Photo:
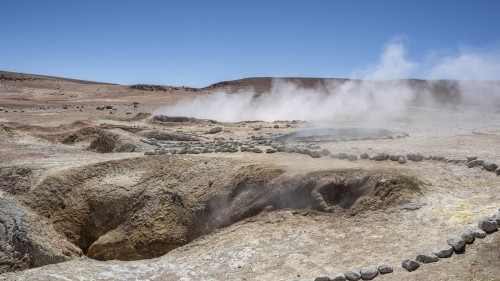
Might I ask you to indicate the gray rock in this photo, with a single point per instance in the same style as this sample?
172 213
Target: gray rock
475 163
338 277
315 153
415 157
427 258
381 157
280 148
342 155
322 278
402 160
353 274
352 157
394 157
497 171
479 233
488 224
456 242
468 236
256 150
471 158
410 265
364 156
270 150
489 166
215 130
368 273
385 268
257 128
444 251
325 151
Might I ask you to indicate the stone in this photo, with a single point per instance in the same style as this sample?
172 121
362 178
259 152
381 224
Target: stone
468 236
276 126
489 166
475 163
256 150
479 233
257 128
444 251
270 150
353 274
368 273
497 171
394 157
315 153
427 258
338 277
322 278
488 224
385 268
364 156
415 157
456 242
410 265
402 160
280 148
342 155
381 157
325 151
215 130
471 158
352 157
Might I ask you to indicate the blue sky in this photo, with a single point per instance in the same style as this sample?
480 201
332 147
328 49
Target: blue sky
197 43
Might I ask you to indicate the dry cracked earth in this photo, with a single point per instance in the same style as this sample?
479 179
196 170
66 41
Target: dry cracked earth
95 186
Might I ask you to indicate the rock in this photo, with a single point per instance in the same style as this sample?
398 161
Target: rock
475 163
444 251
385 268
315 153
325 151
456 242
256 150
497 171
338 277
394 157
410 265
369 272
322 278
402 160
364 156
415 157
257 128
468 236
488 224
489 166
342 155
280 148
471 158
427 258
270 150
215 130
276 126
352 274
381 157
479 233
109 107
352 157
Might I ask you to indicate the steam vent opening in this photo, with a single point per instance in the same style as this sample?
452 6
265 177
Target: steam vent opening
340 134
151 218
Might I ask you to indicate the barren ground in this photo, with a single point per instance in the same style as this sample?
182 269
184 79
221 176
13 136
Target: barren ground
83 202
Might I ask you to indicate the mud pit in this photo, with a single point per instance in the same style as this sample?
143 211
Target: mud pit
79 199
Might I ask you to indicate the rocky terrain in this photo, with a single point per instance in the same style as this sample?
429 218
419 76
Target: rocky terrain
95 185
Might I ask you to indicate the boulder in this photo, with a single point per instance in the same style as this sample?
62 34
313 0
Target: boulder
315 153
489 166
352 157
394 157
325 151
488 224
322 278
415 157
474 163
364 156
381 157
368 273
402 160
342 155
444 251
456 242
215 130
427 258
270 150
468 236
471 158
479 233
256 150
410 265
385 268
338 277
353 274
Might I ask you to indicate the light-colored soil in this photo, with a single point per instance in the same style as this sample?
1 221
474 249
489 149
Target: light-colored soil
120 193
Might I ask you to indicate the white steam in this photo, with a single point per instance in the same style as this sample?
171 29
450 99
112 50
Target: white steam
373 98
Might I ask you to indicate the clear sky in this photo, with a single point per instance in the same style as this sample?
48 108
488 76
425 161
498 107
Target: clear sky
197 43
